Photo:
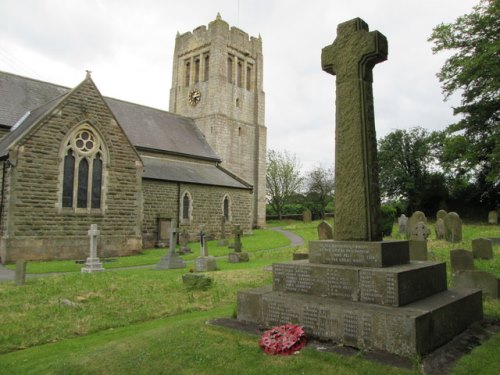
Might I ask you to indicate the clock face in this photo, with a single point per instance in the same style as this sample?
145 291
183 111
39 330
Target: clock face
194 97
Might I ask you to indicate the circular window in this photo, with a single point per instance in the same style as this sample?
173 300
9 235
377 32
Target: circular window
85 141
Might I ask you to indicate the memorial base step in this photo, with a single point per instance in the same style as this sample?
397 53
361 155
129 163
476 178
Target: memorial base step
415 329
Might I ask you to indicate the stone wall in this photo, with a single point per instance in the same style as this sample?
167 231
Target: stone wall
36 226
162 199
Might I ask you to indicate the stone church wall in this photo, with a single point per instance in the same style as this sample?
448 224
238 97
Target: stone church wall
162 199
36 226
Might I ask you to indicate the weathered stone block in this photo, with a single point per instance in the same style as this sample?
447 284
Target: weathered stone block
359 253
418 250
415 329
238 257
205 264
482 248
487 282
170 261
325 231
461 260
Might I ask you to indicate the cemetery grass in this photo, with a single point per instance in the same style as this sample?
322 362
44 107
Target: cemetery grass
259 240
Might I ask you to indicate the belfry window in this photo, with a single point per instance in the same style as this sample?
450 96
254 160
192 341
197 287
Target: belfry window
207 67
82 179
239 74
187 74
230 70
196 70
249 77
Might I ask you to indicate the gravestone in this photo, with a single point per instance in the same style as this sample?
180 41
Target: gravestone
487 282
205 262
238 255
222 241
461 260
20 274
163 227
307 216
482 248
419 232
493 217
440 229
171 259
453 227
93 264
325 231
183 242
415 218
402 224
356 289
418 241
440 214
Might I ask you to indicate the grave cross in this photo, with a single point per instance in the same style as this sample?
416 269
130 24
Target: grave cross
237 238
93 232
351 59
173 236
203 244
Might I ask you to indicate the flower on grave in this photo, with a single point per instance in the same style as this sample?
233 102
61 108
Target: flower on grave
283 340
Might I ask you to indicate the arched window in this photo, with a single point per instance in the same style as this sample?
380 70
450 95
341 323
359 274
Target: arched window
82 172
187 74
226 208
239 74
196 70
249 77
186 207
230 69
207 67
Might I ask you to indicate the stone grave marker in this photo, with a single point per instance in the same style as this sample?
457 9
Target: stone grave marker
184 241
418 241
356 288
325 231
222 240
487 282
440 229
307 216
416 217
20 274
461 260
163 227
205 262
171 259
493 217
402 224
453 227
238 255
93 264
482 248
440 214
419 231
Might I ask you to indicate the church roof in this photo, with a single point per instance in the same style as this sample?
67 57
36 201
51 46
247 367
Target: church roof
188 172
147 128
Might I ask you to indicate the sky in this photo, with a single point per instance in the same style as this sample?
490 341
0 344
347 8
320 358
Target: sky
128 46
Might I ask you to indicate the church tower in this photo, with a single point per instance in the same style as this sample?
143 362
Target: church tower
217 80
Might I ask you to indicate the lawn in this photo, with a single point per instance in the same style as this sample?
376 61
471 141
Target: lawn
145 321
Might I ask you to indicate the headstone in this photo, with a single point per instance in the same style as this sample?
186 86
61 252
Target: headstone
20 274
418 250
205 262
307 216
238 255
482 248
440 214
325 231
163 232
461 260
93 263
419 232
487 282
171 260
415 218
402 224
356 289
453 227
222 241
440 229
183 242
493 217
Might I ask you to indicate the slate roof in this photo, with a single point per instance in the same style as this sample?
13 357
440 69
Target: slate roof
146 127
188 172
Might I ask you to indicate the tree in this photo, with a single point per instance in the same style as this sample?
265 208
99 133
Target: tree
283 179
409 169
472 148
320 184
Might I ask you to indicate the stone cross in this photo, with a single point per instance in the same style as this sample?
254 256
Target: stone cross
173 236
237 238
93 264
223 227
203 243
351 59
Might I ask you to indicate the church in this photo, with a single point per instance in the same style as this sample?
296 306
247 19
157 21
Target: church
72 158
